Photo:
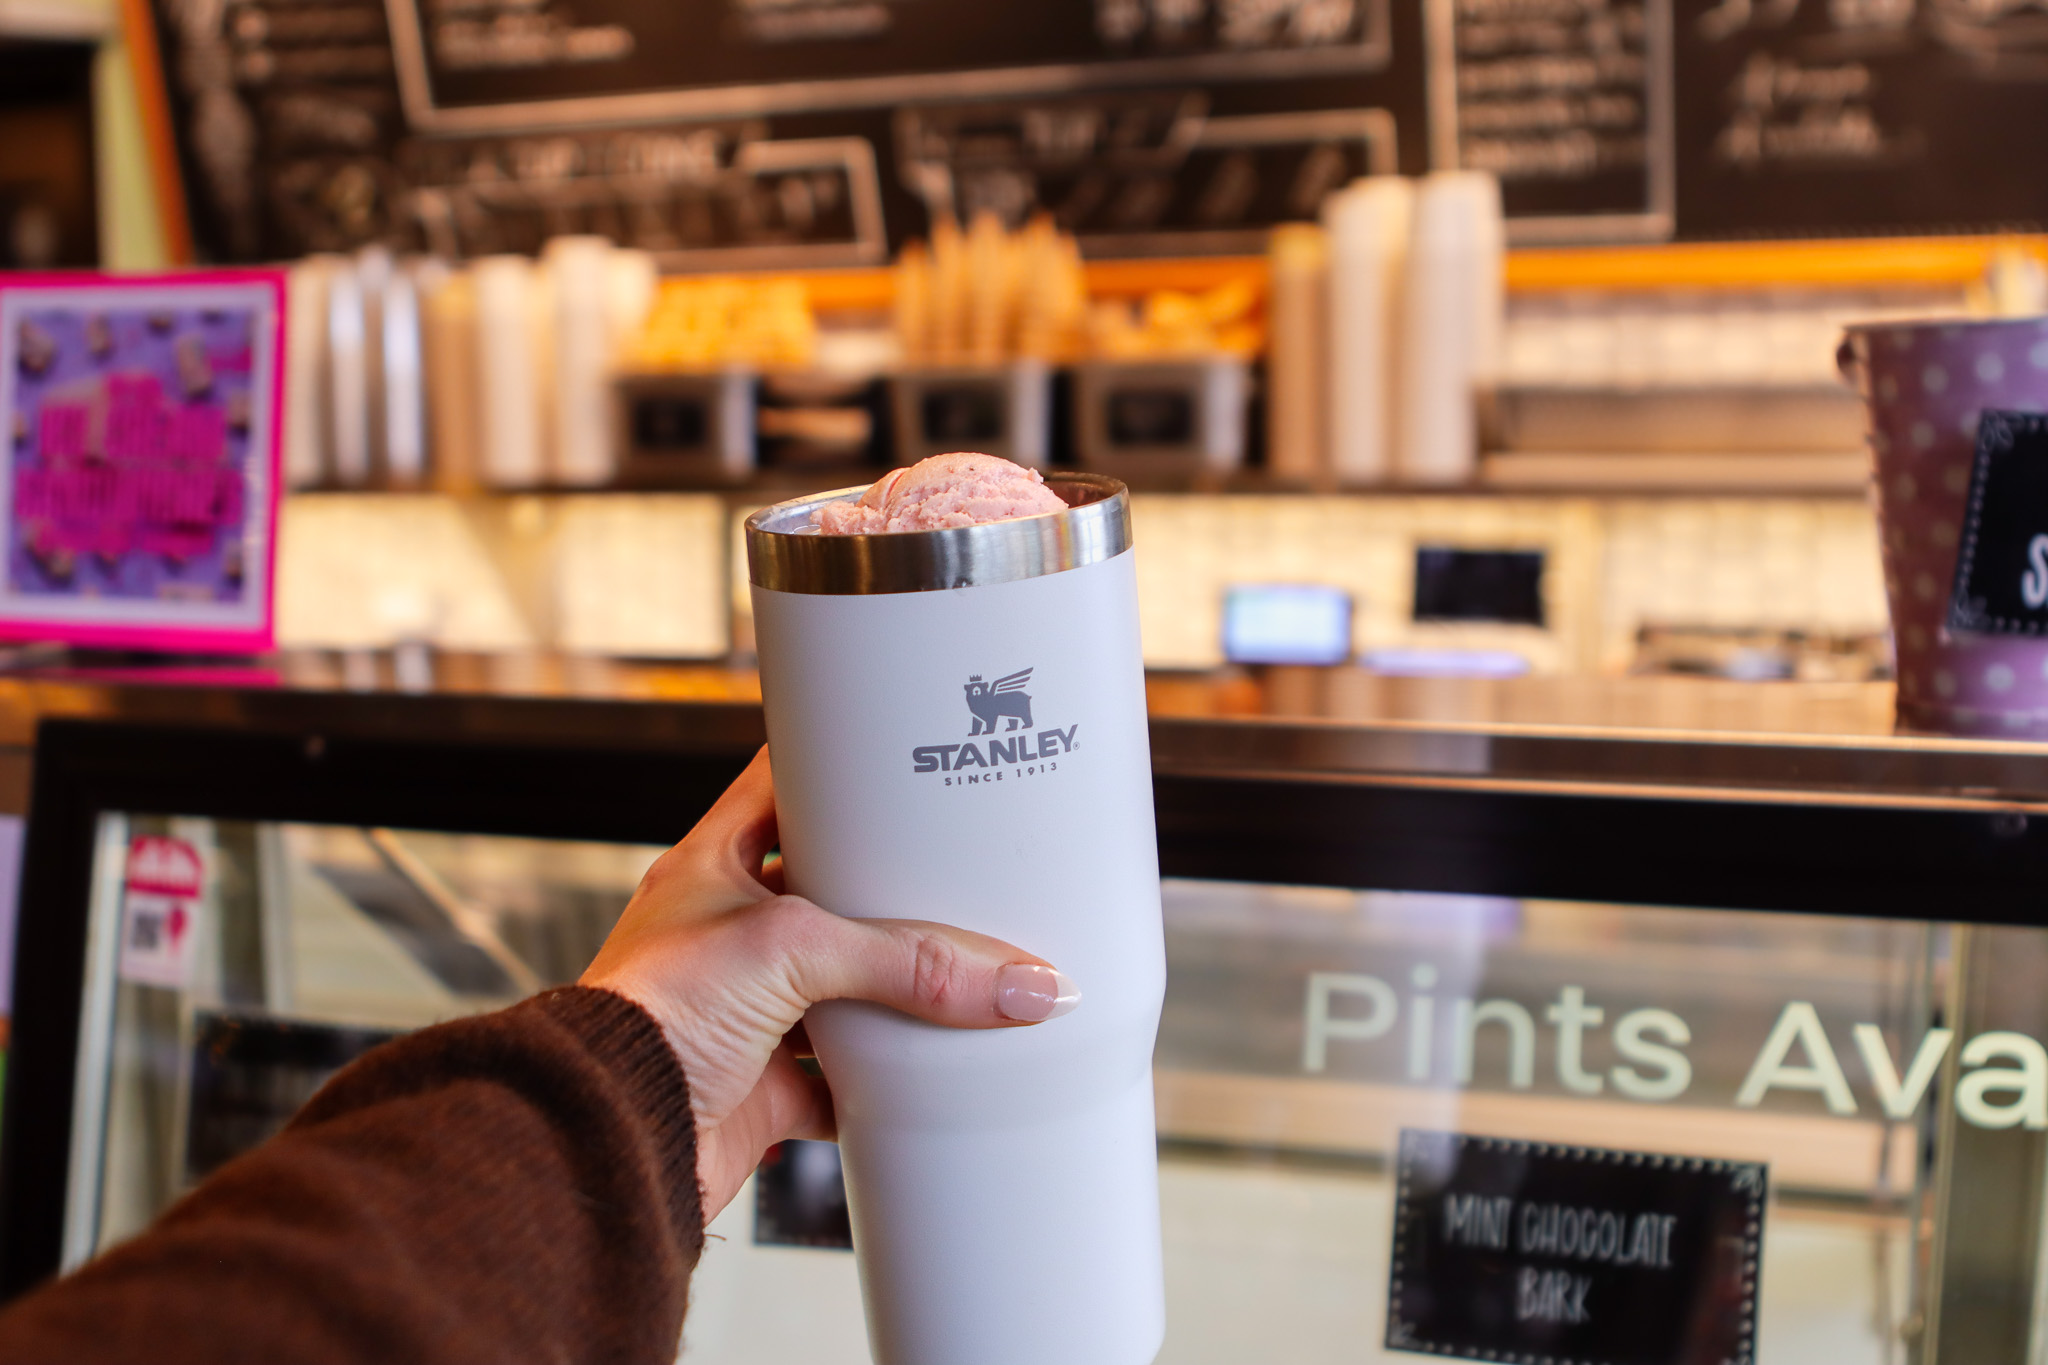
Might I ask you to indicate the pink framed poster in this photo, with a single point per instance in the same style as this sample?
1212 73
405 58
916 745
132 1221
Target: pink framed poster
142 418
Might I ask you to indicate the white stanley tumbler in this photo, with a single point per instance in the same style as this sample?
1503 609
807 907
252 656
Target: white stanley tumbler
957 724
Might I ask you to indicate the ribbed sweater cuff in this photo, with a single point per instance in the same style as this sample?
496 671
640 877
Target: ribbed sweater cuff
624 1039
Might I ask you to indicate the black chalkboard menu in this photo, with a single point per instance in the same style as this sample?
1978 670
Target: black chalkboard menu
743 133
1861 116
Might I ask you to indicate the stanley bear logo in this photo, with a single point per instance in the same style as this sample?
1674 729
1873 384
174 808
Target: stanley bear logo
1009 751
1005 698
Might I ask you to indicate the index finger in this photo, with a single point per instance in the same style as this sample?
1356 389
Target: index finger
735 835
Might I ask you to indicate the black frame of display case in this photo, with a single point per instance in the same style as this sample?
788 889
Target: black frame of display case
1721 851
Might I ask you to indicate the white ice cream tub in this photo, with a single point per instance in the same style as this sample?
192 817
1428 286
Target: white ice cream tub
957 725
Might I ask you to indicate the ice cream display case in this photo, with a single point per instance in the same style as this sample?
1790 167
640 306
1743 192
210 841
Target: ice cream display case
1563 1024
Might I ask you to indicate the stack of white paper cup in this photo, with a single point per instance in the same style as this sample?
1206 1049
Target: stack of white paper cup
957 724
449 343
1368 225
404 377
349 359
514 441
579 271
1451 324
1296 351
632 280
305 385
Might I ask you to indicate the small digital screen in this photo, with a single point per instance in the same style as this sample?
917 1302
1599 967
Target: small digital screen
1479 585
670 422
963 416
1150 417
1287 623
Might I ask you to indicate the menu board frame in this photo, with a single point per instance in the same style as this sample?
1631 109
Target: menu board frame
81 611
427 114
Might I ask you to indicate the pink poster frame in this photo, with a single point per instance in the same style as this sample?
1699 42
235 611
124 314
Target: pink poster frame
171 636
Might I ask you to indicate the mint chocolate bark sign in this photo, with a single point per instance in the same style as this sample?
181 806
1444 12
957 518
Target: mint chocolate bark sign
2001 582
1545 1254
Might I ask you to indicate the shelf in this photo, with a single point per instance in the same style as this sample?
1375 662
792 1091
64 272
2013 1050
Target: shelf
872 289
1931 262
1838 473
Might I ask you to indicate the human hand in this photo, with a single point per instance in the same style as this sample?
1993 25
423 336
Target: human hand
727 964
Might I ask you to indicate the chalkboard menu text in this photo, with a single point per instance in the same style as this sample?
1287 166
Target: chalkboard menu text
1572 110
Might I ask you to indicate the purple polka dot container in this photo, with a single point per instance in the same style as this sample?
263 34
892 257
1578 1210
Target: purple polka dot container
1924 385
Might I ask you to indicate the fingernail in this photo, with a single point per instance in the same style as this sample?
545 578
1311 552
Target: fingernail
1031 994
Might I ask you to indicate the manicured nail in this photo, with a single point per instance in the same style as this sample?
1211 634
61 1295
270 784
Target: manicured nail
1032 994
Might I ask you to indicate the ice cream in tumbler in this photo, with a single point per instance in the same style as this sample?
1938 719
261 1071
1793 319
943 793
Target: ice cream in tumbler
956 715
943 492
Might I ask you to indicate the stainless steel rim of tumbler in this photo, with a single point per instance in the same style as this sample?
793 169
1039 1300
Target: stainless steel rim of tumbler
786 554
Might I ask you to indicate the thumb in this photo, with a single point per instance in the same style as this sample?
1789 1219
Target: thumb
935 972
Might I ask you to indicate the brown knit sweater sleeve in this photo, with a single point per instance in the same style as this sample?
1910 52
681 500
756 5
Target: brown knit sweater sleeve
516 1187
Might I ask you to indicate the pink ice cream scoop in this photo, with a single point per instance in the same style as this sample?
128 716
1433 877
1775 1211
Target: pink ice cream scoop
962 489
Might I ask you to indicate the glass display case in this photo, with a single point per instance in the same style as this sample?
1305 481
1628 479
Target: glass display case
1814 968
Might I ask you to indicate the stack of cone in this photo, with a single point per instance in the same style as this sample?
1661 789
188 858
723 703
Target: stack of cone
711 322
1168 323
988 296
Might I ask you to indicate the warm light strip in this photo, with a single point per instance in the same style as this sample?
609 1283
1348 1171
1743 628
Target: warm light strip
1837 264
1894 261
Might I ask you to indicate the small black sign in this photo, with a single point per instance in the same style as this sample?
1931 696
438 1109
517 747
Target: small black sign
1541 1254
966 413
1478 585
800 1197
2001 583
250 1074
1152 415
670 422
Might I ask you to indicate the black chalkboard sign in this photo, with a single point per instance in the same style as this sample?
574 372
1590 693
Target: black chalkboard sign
2001 582
1528 1251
